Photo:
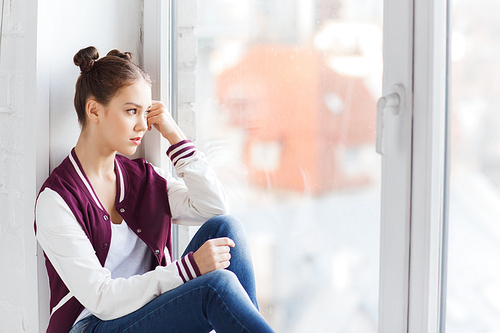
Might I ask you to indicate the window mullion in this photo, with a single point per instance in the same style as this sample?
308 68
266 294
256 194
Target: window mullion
158 62
428 165
396 170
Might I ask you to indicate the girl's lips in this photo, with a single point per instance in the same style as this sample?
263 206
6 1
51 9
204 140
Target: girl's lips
136 141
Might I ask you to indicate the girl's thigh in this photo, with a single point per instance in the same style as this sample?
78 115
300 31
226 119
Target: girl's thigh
178 310
213 301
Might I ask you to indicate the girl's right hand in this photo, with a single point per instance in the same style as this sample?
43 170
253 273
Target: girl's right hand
213 254
159 117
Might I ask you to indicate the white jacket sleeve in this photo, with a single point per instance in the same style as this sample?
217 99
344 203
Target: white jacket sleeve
73 257
197 195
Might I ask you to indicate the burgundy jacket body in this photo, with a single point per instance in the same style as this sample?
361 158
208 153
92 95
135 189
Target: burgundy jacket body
144 206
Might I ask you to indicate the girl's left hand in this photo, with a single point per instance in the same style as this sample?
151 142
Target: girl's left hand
159 117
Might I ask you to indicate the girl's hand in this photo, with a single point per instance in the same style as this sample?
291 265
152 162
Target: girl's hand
214 254
159 117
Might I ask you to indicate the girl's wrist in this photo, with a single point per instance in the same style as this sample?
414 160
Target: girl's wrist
175 137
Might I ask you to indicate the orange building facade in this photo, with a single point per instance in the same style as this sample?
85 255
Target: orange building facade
301 118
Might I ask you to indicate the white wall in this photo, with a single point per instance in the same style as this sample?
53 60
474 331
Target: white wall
38 124
64 28
18 270
37 79
187 56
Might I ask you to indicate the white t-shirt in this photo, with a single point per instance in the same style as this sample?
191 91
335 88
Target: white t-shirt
128 256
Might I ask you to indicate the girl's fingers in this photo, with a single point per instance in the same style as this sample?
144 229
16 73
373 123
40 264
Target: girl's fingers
159 116
158 108
157 120
153 119
225 257
157 105
223 249
214 254
223 241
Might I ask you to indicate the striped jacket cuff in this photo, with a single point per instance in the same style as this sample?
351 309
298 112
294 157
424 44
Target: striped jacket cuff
187 268
181 150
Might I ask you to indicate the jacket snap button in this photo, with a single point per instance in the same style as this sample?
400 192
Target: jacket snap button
122 210
157 251
139 231
104 246
105 217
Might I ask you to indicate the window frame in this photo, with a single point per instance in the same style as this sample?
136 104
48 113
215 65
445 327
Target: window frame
413 242
157 61
414 169
396 170
429 175
160 49
418 237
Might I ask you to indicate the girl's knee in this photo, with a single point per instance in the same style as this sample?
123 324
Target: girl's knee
223 275
227 223
222 279
224 284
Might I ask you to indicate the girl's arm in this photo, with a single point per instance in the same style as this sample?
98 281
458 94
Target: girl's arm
72 255
197 195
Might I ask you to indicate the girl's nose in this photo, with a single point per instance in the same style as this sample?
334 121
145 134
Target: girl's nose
142 124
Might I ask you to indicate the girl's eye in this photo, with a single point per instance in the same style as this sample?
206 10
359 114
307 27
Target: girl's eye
146 113
132 111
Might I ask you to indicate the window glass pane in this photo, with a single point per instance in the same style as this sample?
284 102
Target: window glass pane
286 112
473 297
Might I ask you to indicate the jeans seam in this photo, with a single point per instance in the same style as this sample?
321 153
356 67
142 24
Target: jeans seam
227 308
159 307
189 291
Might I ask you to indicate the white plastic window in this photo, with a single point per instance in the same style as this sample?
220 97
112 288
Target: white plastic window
285 111
279 86
473 301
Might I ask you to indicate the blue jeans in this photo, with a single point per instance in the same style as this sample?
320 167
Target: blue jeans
224 300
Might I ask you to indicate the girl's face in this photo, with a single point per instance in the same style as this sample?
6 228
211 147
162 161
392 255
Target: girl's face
124 120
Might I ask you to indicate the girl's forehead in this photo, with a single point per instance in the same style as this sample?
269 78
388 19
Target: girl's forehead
138 93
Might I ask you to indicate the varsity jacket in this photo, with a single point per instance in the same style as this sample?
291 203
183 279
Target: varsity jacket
74 231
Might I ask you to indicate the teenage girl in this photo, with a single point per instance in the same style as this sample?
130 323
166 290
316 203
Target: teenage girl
104 221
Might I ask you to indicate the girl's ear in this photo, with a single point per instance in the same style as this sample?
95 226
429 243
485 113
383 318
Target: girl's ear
93 110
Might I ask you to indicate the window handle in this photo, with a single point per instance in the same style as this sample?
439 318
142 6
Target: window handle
393 102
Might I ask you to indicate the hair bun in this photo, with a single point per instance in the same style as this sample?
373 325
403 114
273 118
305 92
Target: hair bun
85 58
123 55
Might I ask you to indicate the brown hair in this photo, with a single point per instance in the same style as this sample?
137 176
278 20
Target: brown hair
102 78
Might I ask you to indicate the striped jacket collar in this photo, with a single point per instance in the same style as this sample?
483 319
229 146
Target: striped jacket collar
120 184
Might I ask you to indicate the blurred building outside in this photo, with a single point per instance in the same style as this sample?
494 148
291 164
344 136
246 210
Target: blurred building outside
302 120
286 95
473 283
